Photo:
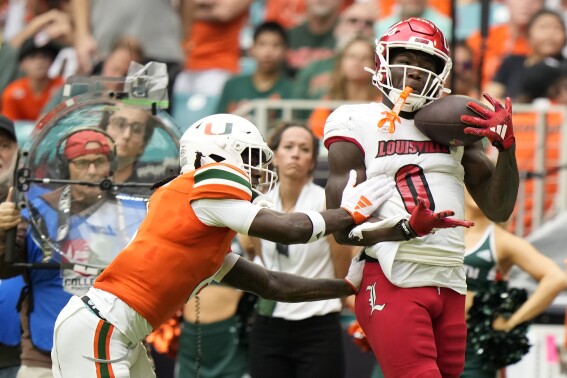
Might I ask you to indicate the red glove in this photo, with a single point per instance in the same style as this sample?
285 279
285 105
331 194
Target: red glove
423 220
358 336
495 125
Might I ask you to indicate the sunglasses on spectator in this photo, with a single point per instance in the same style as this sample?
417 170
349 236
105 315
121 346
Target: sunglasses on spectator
83 164
354 20
119 123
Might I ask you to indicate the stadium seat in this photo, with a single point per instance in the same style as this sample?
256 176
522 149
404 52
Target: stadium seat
188 108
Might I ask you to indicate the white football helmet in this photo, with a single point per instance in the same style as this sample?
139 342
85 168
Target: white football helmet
232 140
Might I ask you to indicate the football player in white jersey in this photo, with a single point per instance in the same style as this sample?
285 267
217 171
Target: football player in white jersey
412 298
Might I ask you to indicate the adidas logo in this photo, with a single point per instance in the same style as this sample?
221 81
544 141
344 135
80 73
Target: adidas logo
362 203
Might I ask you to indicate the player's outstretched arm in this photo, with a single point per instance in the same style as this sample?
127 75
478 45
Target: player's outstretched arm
494 188
344 157
285 287
358 202
422 221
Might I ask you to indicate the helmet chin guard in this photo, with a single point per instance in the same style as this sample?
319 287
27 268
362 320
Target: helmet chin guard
418 35
232 140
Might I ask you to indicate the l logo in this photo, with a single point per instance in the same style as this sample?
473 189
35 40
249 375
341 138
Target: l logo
372 299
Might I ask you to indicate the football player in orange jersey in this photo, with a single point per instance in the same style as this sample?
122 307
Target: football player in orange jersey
182 245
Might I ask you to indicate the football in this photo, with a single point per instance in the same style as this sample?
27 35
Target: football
440 120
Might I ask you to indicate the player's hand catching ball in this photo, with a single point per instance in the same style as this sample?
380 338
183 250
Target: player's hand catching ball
495 125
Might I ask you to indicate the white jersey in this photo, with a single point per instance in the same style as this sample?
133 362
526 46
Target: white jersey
422 168
311 260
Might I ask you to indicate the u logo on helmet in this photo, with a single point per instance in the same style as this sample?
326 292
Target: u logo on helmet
227 129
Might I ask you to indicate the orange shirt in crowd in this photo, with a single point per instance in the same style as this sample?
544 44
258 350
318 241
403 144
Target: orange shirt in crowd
499 43
20 103
290 13
386 7
316 121
215 45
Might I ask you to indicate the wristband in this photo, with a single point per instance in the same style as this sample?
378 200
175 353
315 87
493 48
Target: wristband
318 225
407 232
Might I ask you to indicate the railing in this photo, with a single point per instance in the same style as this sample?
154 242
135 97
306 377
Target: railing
532 206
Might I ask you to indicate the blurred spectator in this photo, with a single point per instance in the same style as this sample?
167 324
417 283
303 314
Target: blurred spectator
463 78
269 79
53 25
313 81
85 156
115 65
10 289
504 39
557 92
299 339
124 51
348 81
526 77
290 13
131 128
212 45
388 7
414 8
100 23
468 15
24 98
313 39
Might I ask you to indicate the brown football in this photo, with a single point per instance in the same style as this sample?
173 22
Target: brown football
440 120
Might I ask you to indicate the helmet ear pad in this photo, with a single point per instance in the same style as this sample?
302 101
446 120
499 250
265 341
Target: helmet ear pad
62 162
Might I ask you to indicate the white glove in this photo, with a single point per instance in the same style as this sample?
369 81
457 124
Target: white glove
363 199
355 270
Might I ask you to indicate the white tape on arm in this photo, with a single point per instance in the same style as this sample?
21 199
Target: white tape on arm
371 226
229 260
318 225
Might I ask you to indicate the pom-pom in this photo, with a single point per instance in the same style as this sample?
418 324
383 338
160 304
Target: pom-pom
497 348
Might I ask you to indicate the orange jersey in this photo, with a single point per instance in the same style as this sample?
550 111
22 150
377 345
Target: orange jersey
173 252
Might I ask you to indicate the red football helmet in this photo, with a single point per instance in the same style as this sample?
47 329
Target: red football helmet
414 34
